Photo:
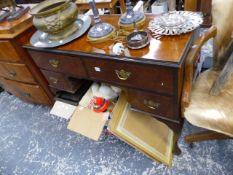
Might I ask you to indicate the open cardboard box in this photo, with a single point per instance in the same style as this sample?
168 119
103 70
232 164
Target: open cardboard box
141 131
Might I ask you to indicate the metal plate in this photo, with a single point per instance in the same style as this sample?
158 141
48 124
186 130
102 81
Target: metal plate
40 39
175 22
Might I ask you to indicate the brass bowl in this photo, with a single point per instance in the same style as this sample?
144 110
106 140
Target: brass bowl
55 17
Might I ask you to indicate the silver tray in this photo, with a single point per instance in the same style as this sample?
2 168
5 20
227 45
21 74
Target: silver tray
175 22
40 39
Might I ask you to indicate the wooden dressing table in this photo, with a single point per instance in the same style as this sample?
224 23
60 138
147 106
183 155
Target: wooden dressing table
152 77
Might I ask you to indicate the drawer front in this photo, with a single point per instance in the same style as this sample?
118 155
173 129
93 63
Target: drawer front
26 92
62 82
152 103
8 52
17 72
143 76
59 63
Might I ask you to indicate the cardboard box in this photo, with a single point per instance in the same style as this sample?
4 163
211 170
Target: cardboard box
141 131
159 7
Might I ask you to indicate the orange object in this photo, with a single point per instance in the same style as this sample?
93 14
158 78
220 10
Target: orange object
100 104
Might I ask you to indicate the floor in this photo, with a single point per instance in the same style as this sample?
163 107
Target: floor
33 142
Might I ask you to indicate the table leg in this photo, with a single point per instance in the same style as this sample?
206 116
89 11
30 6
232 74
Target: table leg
122 5
177 128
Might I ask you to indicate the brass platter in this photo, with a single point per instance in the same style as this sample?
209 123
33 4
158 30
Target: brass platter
41 39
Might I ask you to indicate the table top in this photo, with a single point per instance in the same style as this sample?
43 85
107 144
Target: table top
171 49
14 28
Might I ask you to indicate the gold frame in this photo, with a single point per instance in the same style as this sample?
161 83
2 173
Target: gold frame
116 126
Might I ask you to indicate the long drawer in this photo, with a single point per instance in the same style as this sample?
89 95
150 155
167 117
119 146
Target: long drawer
62 81
8 52
142 76
18 72
59 63
152 103
26 92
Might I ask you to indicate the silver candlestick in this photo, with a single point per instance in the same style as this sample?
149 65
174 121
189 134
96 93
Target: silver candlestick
101 31
130 16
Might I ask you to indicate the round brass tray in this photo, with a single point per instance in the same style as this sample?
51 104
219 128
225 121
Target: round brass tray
41 39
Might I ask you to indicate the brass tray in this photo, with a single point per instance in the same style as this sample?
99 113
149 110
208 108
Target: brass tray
40 39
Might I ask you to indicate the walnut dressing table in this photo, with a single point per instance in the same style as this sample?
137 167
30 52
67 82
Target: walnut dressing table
152 77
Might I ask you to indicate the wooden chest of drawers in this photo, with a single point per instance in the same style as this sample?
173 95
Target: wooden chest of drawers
18 73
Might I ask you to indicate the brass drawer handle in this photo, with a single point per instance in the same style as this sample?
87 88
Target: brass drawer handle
25 94
12 73
151 104
54 63
122 74
54 80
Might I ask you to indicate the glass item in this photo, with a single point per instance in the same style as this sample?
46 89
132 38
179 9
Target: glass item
175 23
130 16
101 31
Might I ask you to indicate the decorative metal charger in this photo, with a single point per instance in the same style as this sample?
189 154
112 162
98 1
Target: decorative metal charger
40 39
175 22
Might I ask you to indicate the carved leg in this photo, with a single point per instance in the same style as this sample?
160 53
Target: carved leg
206 135
177 132
176 149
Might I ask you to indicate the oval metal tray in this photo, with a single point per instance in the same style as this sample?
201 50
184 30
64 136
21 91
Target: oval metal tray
40 39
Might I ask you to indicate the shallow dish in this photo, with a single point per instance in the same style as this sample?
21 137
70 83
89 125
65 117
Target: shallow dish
175 22
41 39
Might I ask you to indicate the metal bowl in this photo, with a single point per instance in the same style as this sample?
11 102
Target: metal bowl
55 17
137 40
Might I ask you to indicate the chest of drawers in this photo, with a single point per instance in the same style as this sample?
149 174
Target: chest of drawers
18 73
151 77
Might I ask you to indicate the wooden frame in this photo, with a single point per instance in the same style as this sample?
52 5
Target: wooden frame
190 65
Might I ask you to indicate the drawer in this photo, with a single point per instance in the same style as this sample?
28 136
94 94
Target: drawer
144 76
17 72
152 103
62 82
59 63
8 52
26 92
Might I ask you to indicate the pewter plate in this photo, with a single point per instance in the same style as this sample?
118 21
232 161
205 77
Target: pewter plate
175 22
40 39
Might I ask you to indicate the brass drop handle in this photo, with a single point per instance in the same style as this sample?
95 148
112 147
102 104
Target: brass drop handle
122 74
151 104
54 63
54 80
26 94
12 73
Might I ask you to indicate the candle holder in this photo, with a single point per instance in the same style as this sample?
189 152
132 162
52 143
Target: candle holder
101 31
127 20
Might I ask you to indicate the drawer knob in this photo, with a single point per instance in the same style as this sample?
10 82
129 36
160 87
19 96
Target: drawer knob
122 74
12 73
151 104
54 63
54 80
